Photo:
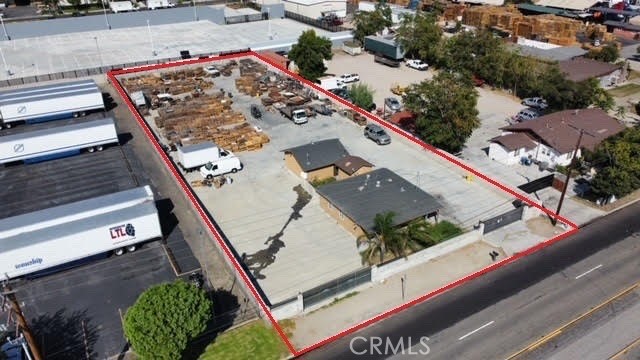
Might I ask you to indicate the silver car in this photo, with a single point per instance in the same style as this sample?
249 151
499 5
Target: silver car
377 134
392 104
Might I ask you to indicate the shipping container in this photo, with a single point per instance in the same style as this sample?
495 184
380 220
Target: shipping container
57 142
59 243
385 46
49 102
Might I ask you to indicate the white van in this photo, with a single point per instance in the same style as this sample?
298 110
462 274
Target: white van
331 82
230 164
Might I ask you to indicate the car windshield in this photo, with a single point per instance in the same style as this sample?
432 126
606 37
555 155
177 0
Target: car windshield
380 132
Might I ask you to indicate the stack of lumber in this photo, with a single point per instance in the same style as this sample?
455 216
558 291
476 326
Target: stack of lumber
250 66
501 17
453 11
555 29
228 67
249 85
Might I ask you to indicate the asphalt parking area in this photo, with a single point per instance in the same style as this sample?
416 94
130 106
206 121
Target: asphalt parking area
79 311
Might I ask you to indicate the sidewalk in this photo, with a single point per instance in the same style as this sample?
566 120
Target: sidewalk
320 324
520 235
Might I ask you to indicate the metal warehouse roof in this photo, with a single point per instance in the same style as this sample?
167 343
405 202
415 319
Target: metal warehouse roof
80 225
56 129
16 96
69 212
362 197
568 4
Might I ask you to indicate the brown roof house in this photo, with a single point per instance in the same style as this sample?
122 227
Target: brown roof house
581 69
552 138
315 160
354 202
349 166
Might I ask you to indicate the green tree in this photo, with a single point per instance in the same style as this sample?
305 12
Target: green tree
387 237
608 53
420 36
371 22
165 318
77 5
445 109
616 160
362 95
309 55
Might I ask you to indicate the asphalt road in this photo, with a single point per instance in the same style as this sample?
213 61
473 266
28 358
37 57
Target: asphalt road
497 314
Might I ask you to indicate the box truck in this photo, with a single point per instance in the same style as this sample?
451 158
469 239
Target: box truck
121 6
159 4
192 157
49 102
60 141
60 243
296 114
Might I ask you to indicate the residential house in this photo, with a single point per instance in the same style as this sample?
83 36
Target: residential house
553 138
315 160
354 202
349 166
581 69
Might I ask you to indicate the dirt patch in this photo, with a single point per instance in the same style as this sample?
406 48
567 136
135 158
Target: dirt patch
542 226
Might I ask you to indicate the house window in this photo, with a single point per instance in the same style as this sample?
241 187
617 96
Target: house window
341 216
335 171
330 205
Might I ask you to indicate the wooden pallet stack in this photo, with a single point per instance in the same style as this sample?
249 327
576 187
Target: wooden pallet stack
248 85
502 17
554 29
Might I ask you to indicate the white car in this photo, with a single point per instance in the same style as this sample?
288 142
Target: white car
349 78
417 64
211 70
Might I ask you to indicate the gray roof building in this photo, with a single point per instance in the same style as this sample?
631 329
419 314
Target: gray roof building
362 197
550 55
318 154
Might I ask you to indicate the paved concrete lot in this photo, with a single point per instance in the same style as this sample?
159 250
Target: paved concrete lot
379 77
256 215
87 303
94 47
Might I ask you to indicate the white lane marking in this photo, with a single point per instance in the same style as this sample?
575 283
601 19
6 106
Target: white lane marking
588 271
476 330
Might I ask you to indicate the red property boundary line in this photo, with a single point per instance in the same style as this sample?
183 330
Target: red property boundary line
229 253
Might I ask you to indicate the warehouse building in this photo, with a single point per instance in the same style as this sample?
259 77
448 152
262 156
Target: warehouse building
316 9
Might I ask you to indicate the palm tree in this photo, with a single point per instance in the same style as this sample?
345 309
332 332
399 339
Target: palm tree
418 234
386 237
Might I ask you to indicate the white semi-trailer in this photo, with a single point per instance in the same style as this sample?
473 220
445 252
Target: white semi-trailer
159 4
49 102
55 244
57 142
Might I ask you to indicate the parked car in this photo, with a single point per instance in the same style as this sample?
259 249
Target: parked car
525 115
535 102
417 64
392 104
212 70
343 93
377 134
322 109
349 78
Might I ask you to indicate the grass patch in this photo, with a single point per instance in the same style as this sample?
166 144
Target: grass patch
319 182
256 339
625 90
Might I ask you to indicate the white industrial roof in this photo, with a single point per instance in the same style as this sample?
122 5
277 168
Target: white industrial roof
567 4
487 2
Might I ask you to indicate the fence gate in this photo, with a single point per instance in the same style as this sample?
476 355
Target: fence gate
335 287
504 219
537 184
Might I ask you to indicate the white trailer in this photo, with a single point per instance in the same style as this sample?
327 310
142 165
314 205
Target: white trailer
56 142
49 102
58 244
331 82
158 4
139 99
67 213
191 157
121 6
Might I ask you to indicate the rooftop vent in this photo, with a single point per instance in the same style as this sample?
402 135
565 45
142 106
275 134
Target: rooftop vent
377 183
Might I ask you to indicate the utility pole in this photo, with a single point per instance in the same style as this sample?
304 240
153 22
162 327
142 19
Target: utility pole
22 323
554 221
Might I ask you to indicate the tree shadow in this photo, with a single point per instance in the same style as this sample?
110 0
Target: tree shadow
64 336
168 220
225 310
261 259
